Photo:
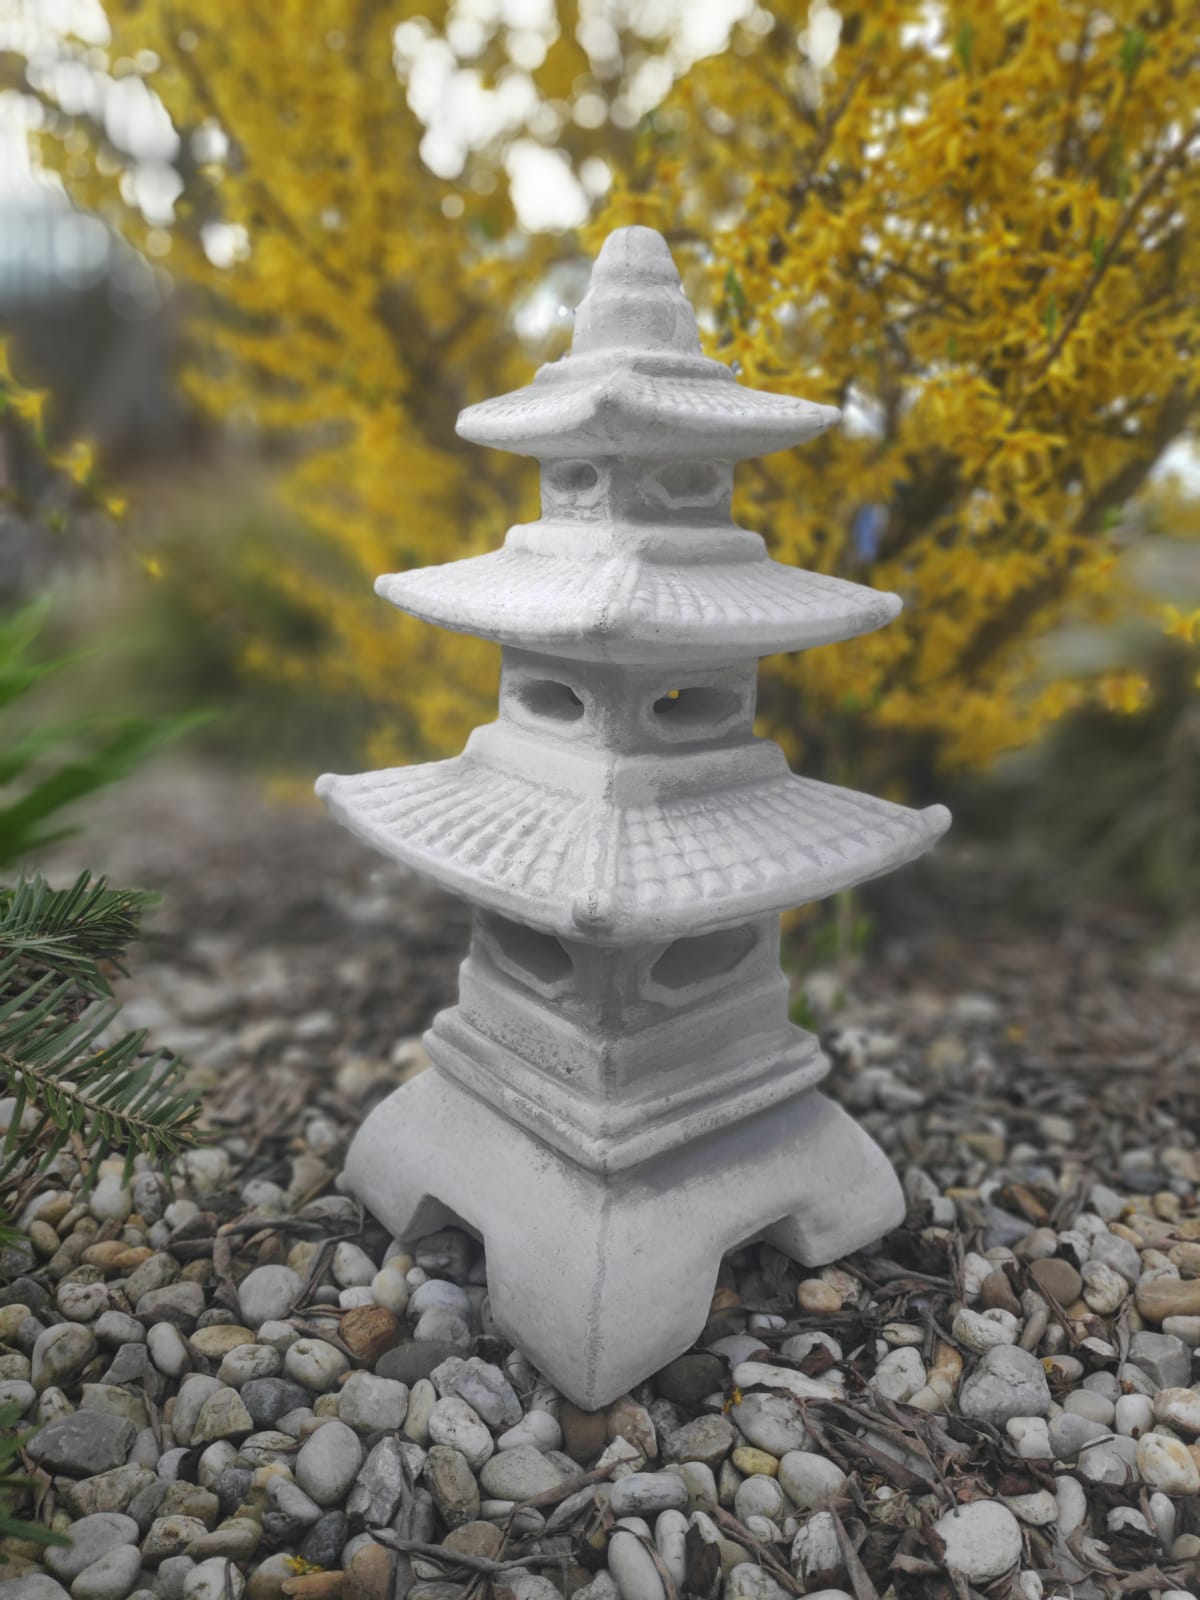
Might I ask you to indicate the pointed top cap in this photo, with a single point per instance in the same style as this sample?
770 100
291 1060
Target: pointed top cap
635 300
636 382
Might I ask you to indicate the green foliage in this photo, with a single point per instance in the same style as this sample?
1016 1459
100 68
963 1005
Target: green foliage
1110 805
47 765
205 630
13 1482
55 1006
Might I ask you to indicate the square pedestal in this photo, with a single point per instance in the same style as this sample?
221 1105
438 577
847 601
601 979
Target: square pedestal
602 1279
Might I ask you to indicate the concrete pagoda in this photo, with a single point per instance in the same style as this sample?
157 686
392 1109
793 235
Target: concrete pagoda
618 1096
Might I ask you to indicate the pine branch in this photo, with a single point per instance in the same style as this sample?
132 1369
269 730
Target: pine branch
114 1098
70 930
67 1085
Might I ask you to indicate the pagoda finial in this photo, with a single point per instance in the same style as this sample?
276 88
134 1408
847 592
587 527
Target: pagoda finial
635 299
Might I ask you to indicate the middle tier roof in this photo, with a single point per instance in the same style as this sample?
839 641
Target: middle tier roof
585 867
629 609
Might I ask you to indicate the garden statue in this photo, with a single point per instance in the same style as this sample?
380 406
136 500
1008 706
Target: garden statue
619 1096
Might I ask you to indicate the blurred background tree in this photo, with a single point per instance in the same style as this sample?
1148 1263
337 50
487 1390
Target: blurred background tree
971 226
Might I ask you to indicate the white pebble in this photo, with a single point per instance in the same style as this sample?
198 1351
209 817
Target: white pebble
371 1404
1038 1508
757 1496
807 1478
900 1374
109 1201
315 1364
1162 1509
983 1539
537 1428
453 1423
1103 1289
268 1293
633 1568
215 1579
1133 1414
352 1266
1180 1409
670 1539
980 1331
279 1335
247 1361
1104 1462
167 1350
1031 1435
1095 1407
1167 1464
389 1287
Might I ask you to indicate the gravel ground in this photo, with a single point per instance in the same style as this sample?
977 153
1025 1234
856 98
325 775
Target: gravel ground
247 1388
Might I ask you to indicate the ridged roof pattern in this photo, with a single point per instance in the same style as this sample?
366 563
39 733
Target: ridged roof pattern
627 609
579 866
646 410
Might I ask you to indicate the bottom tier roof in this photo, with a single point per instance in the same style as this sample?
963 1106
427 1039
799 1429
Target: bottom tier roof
582 868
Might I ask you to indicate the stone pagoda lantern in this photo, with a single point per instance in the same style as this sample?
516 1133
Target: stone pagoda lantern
619 1097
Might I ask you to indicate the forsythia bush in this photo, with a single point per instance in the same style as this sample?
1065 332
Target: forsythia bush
973 226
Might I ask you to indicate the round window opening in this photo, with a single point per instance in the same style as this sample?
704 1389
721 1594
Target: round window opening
544 697
569 478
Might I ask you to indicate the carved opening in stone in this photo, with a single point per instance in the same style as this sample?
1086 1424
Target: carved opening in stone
686 484
545 697
539 956
688 962
571 482
702 704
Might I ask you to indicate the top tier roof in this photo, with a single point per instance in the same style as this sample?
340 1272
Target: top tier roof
636 383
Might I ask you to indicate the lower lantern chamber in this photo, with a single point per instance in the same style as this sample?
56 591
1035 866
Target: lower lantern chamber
612 1054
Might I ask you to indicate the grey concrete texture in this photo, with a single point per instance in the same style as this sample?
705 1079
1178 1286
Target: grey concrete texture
619 1095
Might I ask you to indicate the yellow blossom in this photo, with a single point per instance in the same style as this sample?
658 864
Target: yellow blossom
1124 692
982 247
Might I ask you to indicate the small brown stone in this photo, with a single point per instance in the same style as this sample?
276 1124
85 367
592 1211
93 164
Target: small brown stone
1187 1258
315 1586
43 1238
368 1331
585 1433
370 1574
724 1300
816 1296
996 1293
993 1147
475 1539
132 1257
219 1339
1018 1197
105 1255
1057 1278
1168 1297
629 1421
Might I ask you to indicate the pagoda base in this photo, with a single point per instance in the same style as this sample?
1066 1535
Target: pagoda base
598 1279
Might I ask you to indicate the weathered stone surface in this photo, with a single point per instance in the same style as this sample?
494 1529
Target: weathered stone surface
1008 1382
635 430
452 1485
328 1463
83 1444
91 1537
982 1539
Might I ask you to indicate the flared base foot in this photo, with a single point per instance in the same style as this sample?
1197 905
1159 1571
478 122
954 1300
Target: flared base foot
600 1280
